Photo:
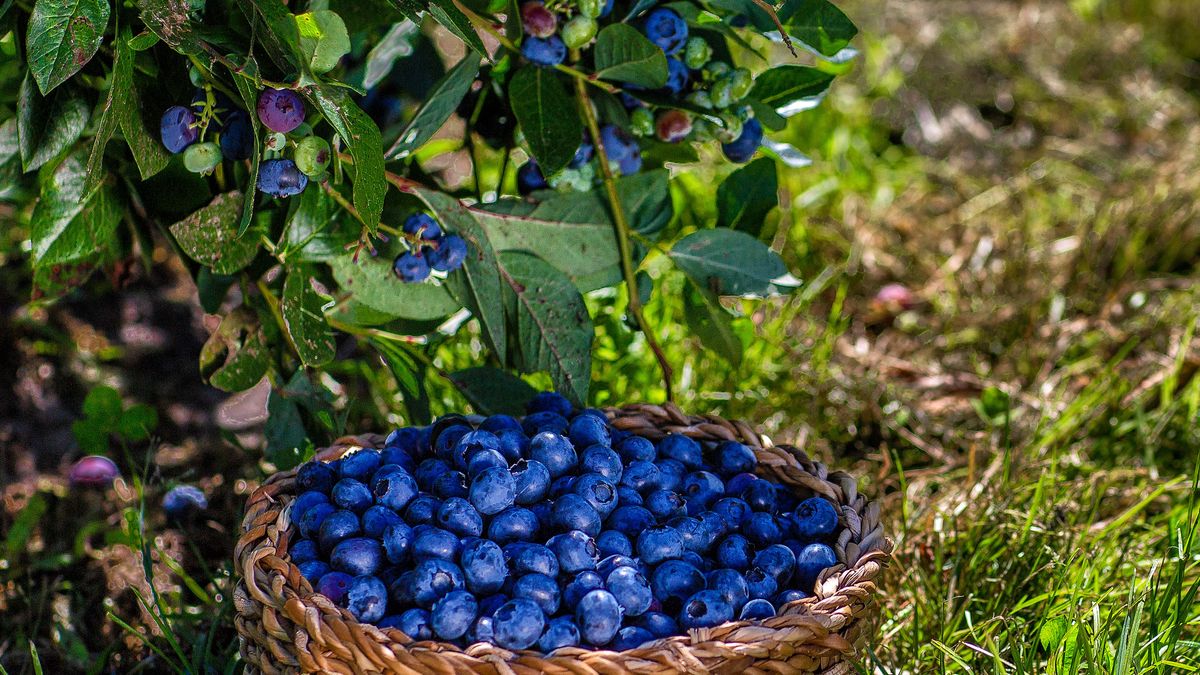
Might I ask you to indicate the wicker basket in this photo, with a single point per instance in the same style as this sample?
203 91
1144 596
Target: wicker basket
285 627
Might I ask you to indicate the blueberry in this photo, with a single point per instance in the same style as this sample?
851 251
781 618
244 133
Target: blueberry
734 458
416 623
758 608
396 490
560 632
313 570
481 631
631 589
763 529
377 519
178 128
428 471
357 556
334 586
549 401
546 52
736 512
583 155
543 511
404 439
621 149
451 484
532 481
665 504
742 149
572 512
336 527
705 609
525 558
734 551
676 580
411 267
553 450
562 485
453 615
670 474
641 476
307 500
472 444
777 560
366 598
530 178
449 255
514 445
539 588
447 439
696 560
493 490
518 624
598 617
815 518
611 542
422 510
715 524
612 562
598 492
760 584
702 488
281 178
433 578
586 430
811 562
513 524
602 460
537 20
315 476
630 520
310 521
546 420
360 465
491 603
384 472
397 542
631 637
677 80
636 449
352 495
666 29
458 516
303 550
627 496
790 595
659 625
183 501
434 542
280 110
581 585
422 225
760 495
500 423
575 551
785 499
659 543
483 566
736 486
696 536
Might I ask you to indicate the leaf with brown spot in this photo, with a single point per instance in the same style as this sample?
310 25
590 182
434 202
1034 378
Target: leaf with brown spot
304 318
63 36
209 236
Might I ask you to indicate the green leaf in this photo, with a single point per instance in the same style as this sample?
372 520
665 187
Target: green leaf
235 357
104 404
818 24
477 285
728 262
143 41
137 422
68 226
249 96
104 130
547 116
323 39
48 125
554 330
209 236
371 282
440 103
456 22
411 9
170 21
304 318
712 323
746 197
492 391
278 32
791 89
284 432
623 54
314 231
63 36
396 44
362 139
585 251
410 377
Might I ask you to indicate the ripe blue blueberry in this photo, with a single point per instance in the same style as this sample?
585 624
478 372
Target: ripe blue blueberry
560 632
665 504
416 623
572 512
313 570
532 480
790 595
359 465
518 624
514 444
631 637
621 149
581 585
814 518
696 536
498 423
303 550
612 562
702 488
334 586
352 495
447 439
481 631
451 484
525 558
641 476
777 560
397 542
742 148
178 128
734 458
715 524
433 578
583 155
736 486
758 608
395 490
670 474
539 588
530 178
184 501
453 615
575 551
677 77
763 529
422 510
659 543
598 492
280 110
588 430
458 516
811 562
676 580
311 520
543 511
630 520
513 524
545 420
696 560
612 542
357 556
366 598
491 603
734 551
666 29
736 512
786 499
631 589
553 450
307 500
315 476
598 617
428 471
386 471
377 519
281 178
760 584
627 496
705 609
636 449
434 542
760 495
562 485
493 490
404 439
449 255
546 52
422 225
483 566
602 460
411 267
659 624
471 444
336 527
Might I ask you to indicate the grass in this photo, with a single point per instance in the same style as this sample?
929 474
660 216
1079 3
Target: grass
1029 170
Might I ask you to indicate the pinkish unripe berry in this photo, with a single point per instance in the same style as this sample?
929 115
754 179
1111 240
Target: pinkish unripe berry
93 471
538 21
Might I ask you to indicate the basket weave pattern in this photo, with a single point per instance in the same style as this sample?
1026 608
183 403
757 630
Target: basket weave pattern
286 627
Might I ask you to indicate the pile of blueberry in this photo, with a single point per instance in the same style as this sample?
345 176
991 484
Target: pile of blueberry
555 530
429 248
554 28
190 129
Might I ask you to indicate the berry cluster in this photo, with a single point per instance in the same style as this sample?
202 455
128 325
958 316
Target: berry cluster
694 77
430 249
555 530
207 131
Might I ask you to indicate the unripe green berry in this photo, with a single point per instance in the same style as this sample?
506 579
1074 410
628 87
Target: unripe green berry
591 8
700 99
579 31
742 81
696 53
642 121
731 128
196 77
312 155
305 129
275 141
703 130
202 157
715 69
721 93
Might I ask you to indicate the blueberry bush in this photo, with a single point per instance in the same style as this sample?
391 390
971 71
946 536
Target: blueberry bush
337 192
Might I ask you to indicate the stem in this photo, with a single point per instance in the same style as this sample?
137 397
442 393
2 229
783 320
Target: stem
239 70
400 182
621 228
345 204
373 332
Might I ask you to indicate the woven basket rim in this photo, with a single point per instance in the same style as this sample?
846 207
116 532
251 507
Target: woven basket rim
285 626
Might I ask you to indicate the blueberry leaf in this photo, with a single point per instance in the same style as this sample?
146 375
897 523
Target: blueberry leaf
313 231
440 103
286 440
304 318
410 377
63 36
48 125
492 391
457 23
547 115
278 32
362 139
728 262
249 96
791 89
69 226
235 357
819 25
396 44
170 21
746 197
623 54
371 282
554 329
323 39
209 236
712 323
144 144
